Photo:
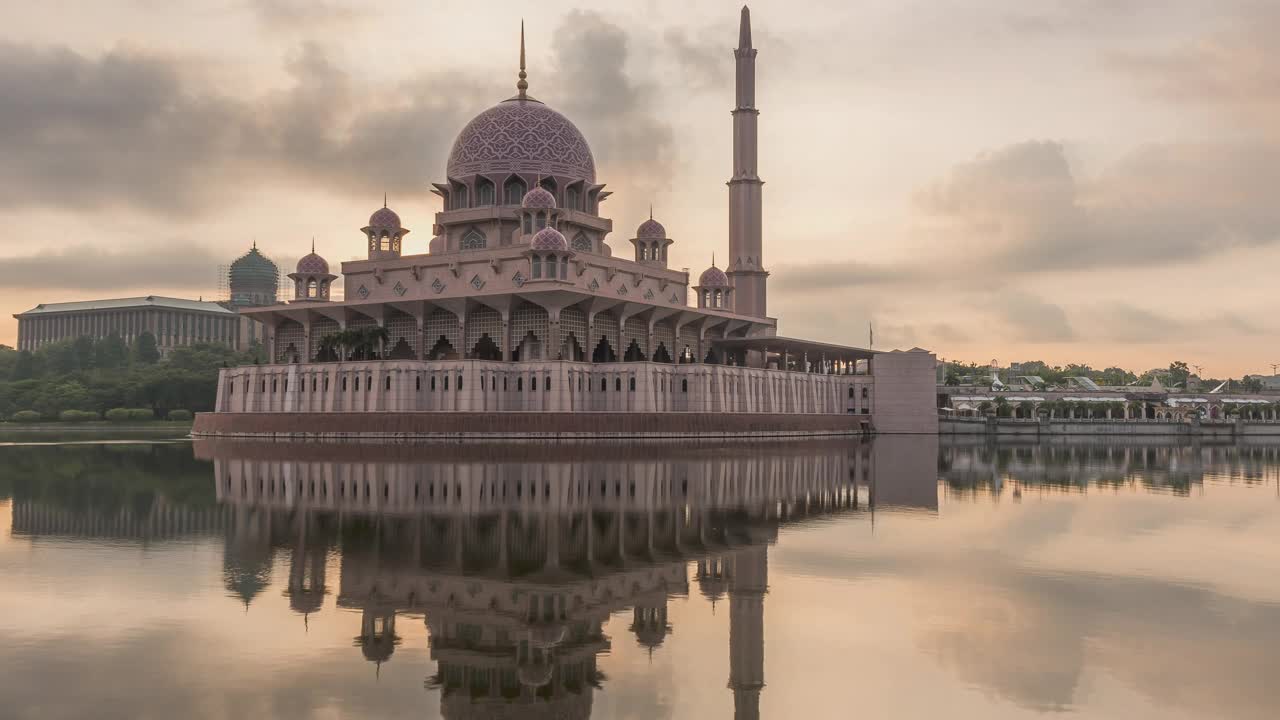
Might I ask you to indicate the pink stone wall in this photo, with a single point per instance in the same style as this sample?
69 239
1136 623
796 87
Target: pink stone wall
534 425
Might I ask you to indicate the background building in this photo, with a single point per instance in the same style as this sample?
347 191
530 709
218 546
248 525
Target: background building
173 322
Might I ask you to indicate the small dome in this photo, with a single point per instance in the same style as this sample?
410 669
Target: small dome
437 245
313 264
549 238
651 230
713 277
539 198
385 217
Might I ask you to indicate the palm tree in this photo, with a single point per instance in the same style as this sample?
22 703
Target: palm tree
376 336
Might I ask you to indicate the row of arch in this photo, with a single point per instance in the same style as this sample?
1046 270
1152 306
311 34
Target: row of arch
445 337
483 192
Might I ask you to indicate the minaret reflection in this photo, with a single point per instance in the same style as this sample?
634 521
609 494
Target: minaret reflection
516 557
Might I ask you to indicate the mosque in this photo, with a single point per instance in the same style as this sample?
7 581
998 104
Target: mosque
519 306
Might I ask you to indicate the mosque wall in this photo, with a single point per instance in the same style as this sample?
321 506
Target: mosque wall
546 386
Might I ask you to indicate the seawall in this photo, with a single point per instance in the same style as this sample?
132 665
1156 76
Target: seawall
526 425
1111 428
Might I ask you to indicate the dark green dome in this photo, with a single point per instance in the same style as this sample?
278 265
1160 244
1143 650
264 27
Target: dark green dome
254 268
254 279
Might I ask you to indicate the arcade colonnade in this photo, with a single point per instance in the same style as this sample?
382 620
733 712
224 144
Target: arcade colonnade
547 386
510 330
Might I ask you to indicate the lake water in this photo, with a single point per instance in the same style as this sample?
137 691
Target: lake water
897 578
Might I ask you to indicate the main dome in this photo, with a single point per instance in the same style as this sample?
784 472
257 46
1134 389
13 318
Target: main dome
521 136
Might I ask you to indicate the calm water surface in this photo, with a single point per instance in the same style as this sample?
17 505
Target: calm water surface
892 578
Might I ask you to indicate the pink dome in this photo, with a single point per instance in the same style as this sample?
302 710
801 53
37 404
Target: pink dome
385 217
313 264
539 198
651 230
713 277
549 238
521 136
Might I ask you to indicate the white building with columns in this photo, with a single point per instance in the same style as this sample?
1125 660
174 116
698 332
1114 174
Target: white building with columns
519 304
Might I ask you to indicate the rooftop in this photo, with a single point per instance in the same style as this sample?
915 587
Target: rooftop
150 301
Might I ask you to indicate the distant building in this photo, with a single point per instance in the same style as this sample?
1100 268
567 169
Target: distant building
173 322
1267 383
253 280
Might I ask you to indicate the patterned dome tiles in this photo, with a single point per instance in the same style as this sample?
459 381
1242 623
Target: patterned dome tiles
549 239
713 277
312 264
521 136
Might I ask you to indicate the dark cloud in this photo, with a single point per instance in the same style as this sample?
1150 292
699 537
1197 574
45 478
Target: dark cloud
86 267
136 130
1023 208
616 112
122 129
702 64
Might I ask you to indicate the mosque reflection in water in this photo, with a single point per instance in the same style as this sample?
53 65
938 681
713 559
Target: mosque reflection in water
516 557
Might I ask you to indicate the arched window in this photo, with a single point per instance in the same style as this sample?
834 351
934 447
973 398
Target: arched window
537 266
528 224
484 192
542 220
473 239
581 243
573 198
684 385
460 196
520 384
564 268
549 184
513 191
311 288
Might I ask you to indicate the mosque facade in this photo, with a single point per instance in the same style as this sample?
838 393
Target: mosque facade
519 305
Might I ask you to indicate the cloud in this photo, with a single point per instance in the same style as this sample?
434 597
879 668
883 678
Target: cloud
1232 70
616 112
278 15
147 132
1031 319
821 277
79 132
86 267
1022 207
702 63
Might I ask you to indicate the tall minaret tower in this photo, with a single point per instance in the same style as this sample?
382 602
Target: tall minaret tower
746 262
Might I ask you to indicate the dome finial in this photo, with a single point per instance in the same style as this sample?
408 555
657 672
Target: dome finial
384 198
650 211
313 243
522 85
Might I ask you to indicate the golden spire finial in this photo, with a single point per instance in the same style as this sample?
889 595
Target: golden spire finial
522 85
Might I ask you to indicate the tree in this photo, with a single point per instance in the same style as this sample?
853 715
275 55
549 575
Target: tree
23 366
111 352
1178 373
145 350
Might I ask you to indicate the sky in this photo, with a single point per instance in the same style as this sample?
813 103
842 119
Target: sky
1066 180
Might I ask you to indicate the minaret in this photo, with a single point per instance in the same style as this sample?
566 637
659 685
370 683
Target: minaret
746 263
747 587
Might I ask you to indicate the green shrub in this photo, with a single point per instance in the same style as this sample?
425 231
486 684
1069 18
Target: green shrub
77 416
25 416
180 415
118 415
142 414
